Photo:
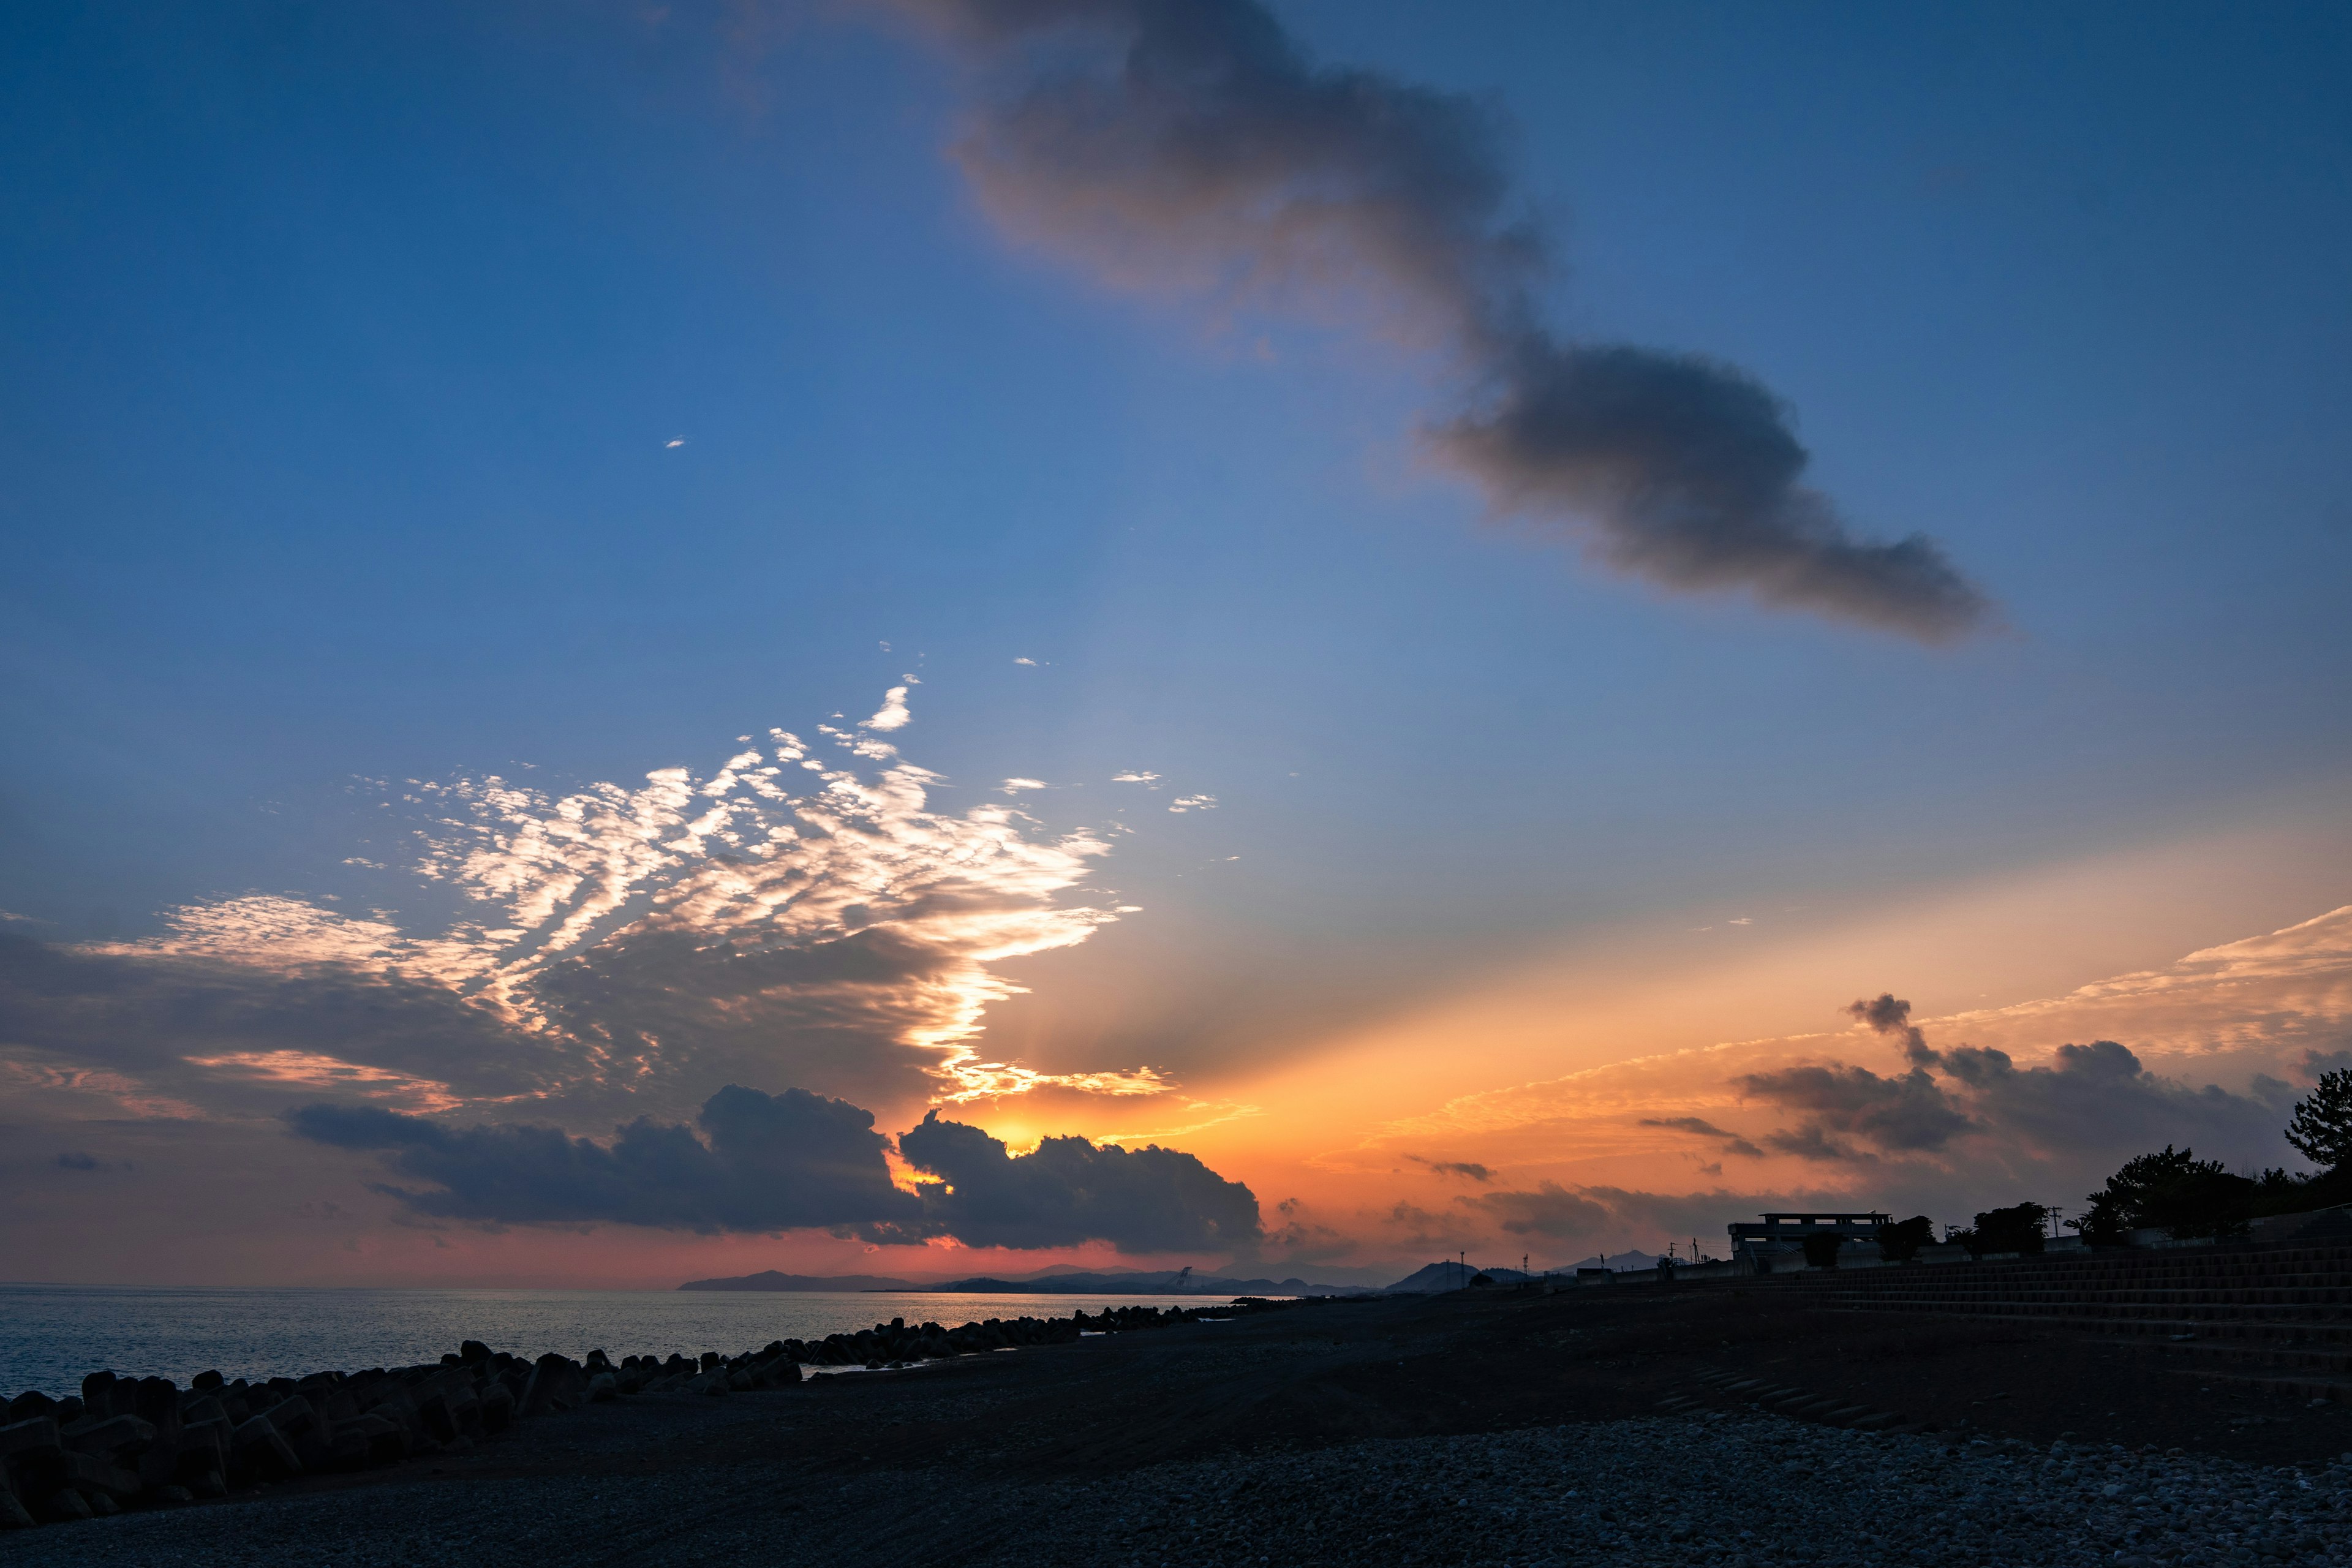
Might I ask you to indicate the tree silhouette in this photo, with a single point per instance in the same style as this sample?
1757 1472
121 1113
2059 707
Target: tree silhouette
2322 1129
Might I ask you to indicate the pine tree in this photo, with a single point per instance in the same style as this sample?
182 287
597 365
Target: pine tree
2322 1129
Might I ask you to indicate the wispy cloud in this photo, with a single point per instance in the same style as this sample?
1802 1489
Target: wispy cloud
776 919
1184 803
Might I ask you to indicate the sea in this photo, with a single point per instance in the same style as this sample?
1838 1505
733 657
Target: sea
50 1335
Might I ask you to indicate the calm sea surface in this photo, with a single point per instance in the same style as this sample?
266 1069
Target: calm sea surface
51 1334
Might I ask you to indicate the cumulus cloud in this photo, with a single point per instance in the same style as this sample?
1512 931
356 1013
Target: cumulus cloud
1191 145
757 1161
760 1162
1886 1016
1069 1190
1907 1112
894 713
2100 1091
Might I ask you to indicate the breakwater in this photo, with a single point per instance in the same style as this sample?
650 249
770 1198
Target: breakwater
127 1442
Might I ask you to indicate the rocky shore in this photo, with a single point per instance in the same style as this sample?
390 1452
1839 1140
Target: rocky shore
145 1442
1503 1429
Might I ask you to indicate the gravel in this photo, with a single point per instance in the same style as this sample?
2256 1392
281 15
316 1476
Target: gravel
1734 1490
1738 1491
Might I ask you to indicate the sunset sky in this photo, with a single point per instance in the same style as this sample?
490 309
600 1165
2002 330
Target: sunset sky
628 630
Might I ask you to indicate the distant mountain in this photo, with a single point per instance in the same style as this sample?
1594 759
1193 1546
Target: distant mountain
1127 1282
1452 1275
768 1280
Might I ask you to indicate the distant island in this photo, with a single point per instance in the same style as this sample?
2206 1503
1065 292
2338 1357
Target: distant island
1061 1279
1059 1282
768 1280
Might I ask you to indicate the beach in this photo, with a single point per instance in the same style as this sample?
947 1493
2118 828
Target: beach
1477 1428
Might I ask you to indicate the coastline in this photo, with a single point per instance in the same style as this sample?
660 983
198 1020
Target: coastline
1478 1427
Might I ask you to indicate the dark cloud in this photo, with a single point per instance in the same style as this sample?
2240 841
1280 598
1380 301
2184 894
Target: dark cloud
755 1161
762 1162
1887 1016
1550 1211
2096 1096
2316 1062
1907 1112
1069 1190
1190 142
2100 1096
71 1161
1470 1168
1733 1143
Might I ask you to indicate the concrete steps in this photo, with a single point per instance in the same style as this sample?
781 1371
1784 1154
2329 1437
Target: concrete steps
2276 1317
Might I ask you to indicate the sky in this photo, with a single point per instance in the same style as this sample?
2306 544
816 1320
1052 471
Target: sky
935 637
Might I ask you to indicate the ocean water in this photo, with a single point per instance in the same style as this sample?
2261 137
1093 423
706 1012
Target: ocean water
52 1334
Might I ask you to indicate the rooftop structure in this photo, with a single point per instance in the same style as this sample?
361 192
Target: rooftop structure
1780 1232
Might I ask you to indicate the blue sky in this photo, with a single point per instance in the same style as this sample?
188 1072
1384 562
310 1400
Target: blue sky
344 348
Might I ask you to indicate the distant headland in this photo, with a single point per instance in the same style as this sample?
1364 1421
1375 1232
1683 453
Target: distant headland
1058 1282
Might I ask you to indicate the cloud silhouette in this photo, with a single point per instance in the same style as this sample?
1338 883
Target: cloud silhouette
1189 145
1549 1210
2099 1092
1069 1190
1733 1143
1470 1168
762 1162
1904 1113
757 1161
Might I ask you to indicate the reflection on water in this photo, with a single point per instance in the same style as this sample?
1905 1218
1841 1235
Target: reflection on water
51 1334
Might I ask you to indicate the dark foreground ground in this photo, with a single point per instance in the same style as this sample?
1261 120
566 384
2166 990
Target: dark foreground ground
1473 1428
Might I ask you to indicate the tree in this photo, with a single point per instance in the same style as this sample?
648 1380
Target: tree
2017 1228
1901 1242
2173 1190
2322 1129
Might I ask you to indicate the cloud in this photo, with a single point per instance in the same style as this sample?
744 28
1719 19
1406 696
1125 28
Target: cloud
1189 145
615 949
1069 1190
894 713
1014 786
1733 1143
1469 1168
1907 1112
1134 777
72 1160
1886 1016
2098 1093
1550 1211
1184 803
760 1162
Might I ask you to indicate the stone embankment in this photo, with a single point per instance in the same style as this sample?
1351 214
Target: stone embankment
131 1443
